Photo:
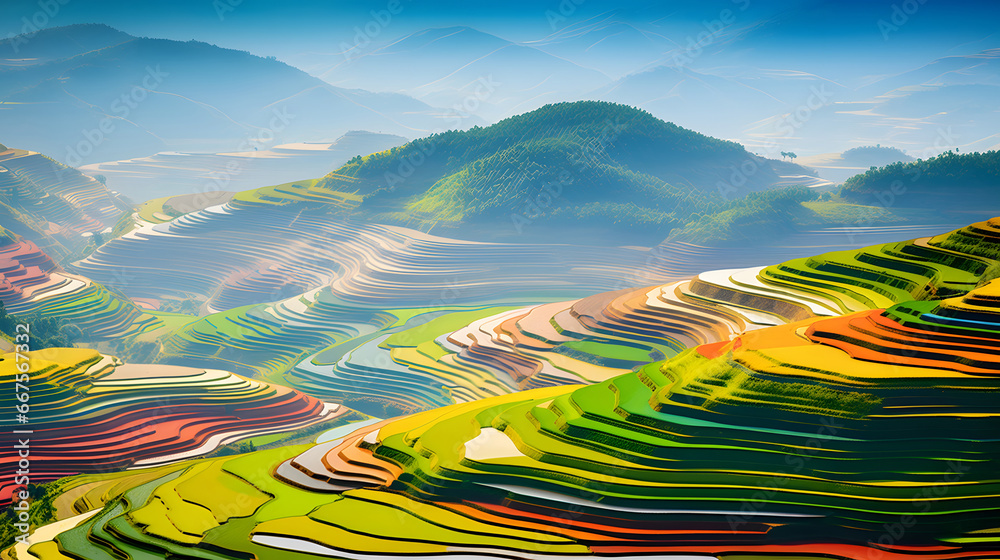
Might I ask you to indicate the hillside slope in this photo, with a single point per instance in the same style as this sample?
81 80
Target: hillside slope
950 181
58 43
799 410
592 165
838 167
56 207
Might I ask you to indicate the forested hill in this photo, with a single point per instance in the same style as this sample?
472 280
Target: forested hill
593 164
945 182
877 153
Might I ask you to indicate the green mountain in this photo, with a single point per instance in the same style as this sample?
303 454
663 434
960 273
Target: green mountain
596 168
945 182
872 155
58 43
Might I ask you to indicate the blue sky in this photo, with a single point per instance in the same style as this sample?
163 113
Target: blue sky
282 28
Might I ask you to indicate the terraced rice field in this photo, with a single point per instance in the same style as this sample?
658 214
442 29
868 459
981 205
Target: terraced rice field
268 275
72 202
30 282
92 413
277 265
175 173
839 406
460 358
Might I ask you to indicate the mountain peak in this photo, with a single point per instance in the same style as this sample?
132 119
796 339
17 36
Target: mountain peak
74 32
56 43
618 165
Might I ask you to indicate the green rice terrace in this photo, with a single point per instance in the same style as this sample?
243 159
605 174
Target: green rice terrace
738 413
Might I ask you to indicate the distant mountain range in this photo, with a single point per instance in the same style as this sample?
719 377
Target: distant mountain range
724 104
460 67
608 44
705 84
90 93
951 102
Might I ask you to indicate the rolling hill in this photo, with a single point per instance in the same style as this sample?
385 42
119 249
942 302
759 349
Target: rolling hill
139 96
598 167
840 167
58 43
945 183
